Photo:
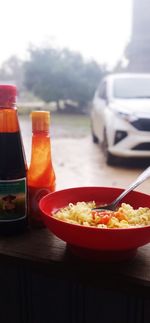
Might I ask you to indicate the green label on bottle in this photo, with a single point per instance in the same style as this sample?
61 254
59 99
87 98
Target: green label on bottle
13 200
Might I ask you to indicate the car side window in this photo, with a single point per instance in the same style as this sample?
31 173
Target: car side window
102 93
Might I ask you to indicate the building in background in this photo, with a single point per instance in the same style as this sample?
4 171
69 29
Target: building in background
138 50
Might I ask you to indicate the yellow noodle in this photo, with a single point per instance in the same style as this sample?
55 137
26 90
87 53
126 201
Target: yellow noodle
81 214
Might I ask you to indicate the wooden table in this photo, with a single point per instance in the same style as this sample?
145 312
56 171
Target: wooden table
42 282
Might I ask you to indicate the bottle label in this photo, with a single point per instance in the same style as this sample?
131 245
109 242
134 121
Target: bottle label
13 197
34 195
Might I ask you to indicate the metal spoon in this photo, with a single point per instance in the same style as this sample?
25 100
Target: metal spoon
112 206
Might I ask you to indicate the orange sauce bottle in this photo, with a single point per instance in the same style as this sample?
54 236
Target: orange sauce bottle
41 176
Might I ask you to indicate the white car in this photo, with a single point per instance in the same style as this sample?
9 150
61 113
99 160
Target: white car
120 116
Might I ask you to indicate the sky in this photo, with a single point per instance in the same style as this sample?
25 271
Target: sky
98 29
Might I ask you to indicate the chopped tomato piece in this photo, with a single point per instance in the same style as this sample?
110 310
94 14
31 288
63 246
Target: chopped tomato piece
120 216
100 213
103 215
105 218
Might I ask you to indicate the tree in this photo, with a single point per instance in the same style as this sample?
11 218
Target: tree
55 75
11 71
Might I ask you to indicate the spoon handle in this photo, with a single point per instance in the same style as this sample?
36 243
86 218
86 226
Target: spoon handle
141 178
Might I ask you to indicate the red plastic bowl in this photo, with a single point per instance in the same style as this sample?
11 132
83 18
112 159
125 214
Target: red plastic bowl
96 243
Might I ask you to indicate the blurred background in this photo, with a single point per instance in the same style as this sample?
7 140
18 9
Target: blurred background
57 52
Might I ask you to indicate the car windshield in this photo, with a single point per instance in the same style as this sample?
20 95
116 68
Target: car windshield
130 88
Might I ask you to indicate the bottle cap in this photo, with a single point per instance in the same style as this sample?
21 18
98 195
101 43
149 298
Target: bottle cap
40 121
8 95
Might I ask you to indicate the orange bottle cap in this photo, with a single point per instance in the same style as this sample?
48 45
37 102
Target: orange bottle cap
40 121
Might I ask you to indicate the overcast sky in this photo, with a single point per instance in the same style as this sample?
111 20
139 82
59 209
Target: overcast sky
97 28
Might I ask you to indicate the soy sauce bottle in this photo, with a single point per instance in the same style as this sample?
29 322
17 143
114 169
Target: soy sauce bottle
13 167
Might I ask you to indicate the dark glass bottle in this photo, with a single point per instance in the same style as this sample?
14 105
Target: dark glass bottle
13 167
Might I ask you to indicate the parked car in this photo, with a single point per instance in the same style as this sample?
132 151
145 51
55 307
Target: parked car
120 116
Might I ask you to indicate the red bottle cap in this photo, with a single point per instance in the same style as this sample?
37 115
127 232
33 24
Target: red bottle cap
8 95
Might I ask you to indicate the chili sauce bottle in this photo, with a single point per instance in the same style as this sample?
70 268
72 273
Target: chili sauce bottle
41 175
13 167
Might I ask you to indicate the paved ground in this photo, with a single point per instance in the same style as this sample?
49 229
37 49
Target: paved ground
79 162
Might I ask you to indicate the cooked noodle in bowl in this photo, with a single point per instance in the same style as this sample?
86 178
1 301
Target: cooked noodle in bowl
125 216
104 235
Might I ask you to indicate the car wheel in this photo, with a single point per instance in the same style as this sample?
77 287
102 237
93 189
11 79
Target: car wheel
94 137
109 158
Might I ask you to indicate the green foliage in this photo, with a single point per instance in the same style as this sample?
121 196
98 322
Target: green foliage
11 71
54 75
